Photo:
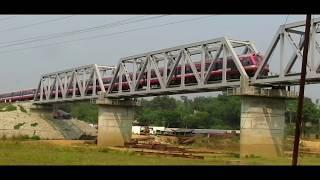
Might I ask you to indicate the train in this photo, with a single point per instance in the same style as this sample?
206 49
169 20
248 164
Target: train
250 63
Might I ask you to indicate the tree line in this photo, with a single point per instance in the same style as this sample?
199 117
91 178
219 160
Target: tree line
201 112
221 112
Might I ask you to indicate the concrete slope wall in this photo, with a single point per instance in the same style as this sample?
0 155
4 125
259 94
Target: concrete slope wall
25 121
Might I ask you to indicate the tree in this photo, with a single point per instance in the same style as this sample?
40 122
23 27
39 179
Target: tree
201 112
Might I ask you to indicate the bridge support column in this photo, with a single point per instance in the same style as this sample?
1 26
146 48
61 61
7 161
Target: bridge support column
262 119
262 126
115 122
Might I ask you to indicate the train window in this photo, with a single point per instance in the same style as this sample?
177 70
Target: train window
231 65
188 69
218 66
178 71
246 62
161 72
258 58
214 66
153 74
206 66
198 68
124 78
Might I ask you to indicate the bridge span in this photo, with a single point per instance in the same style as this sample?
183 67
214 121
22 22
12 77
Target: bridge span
212 65
218 64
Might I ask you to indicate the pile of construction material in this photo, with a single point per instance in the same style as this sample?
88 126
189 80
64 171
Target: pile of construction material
148 145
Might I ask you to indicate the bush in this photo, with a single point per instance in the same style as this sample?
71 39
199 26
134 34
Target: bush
34 124
35 137
104 150
17 126
20 137
85 111
24 137
22 109
4 137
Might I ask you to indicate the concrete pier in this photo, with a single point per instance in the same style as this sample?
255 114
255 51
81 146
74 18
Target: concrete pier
262 126
115 122
262 119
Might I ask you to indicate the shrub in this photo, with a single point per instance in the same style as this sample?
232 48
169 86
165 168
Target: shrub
35 137
20 137
22 109
17 126
34 124
25 137
4 137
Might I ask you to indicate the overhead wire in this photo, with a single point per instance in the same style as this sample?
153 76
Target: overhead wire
109 34
35 24
6 18
75 32
49 35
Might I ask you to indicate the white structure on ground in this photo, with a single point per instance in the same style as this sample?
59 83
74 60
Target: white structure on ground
163 130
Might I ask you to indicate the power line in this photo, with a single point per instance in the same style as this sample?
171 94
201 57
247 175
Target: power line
50 35
10 17
35 24
110 34
71 33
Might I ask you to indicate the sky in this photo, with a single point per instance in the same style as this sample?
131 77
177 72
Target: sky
21 64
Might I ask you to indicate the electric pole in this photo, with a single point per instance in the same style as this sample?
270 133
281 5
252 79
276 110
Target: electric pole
301 92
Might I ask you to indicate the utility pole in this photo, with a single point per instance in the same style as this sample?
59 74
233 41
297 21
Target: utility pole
301 92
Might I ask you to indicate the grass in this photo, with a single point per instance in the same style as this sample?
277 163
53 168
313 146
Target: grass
15 152
218 143
21 138
7 107
37 153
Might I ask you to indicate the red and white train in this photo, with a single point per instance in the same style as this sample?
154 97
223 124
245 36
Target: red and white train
250 63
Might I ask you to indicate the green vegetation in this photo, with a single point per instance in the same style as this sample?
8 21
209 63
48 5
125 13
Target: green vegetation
201 112
230 144
85 111
17 126
22 109
20 138
82 110
221 112
34 124
41 153
24 153
35 137
4 137
7 107
311 115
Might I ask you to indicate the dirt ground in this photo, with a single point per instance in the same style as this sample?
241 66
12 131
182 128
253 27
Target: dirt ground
198 146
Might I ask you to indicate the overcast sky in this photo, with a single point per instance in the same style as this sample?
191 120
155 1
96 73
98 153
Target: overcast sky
21 65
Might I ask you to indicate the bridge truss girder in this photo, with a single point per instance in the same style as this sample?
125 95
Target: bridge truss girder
140 67
69 82
284 36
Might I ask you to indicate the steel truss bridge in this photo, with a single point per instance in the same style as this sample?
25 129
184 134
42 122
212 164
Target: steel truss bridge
133 68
